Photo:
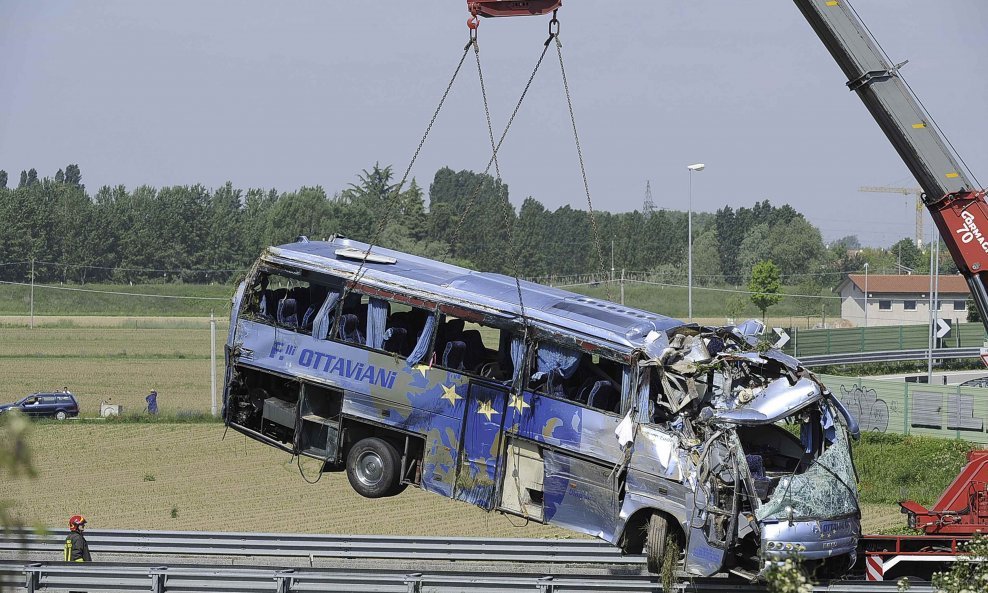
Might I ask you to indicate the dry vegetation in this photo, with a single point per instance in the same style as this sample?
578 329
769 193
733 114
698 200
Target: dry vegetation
131 476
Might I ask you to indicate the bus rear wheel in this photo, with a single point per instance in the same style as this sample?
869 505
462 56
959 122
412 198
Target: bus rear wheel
655 542
373 468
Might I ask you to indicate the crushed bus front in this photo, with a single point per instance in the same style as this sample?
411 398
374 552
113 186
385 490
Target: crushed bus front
763 447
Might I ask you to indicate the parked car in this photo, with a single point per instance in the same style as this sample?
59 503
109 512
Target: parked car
60 405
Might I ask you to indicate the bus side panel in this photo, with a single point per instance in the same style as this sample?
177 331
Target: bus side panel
378 387
481 445
568 426
580 495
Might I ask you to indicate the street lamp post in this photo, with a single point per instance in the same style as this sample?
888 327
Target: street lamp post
689 239
866 294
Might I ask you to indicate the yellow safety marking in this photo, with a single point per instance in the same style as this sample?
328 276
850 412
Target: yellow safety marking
832 3
952 175
919 126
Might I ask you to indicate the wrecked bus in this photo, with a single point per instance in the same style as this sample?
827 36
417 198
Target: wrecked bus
652 434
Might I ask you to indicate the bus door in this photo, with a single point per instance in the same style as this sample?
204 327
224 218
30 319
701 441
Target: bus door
580 460
481 444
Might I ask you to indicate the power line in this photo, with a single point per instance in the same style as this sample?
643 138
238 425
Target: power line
118 293
178 271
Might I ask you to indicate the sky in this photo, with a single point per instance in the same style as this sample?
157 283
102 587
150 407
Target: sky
302 93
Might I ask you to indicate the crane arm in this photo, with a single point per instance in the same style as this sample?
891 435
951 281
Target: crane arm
958 207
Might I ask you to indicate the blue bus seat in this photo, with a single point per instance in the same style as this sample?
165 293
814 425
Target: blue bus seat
453 355
604 397
287 314
396 340
350 329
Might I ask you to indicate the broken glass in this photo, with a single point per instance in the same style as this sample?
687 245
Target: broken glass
825 490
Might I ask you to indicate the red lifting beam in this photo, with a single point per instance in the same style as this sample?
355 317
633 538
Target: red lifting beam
490 8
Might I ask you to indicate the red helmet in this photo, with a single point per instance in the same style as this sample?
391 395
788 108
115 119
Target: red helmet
75 521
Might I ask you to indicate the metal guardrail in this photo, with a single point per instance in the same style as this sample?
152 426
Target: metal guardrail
888 356
184 579
213 543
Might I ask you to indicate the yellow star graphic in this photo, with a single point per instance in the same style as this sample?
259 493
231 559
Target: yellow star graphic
422 368
518 402
485 409
450 395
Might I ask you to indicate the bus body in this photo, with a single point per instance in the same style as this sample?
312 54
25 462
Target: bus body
533 401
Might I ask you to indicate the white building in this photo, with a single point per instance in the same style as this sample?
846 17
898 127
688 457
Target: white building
900 300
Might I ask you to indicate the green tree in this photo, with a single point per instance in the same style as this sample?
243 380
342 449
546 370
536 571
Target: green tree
73 176
32 176
765 285
480 204
60 176
973 315
906 254
3 179
23 181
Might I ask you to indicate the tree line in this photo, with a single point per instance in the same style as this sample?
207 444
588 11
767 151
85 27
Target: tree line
191 233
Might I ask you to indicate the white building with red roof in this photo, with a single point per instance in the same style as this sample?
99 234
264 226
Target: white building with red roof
900 300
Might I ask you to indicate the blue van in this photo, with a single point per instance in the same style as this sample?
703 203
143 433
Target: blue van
59 405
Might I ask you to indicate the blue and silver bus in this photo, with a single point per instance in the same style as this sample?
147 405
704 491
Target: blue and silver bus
655 435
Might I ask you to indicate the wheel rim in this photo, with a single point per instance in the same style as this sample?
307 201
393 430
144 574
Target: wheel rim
370 468
60 416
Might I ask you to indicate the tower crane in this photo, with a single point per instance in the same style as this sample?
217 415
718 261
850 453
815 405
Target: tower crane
906 191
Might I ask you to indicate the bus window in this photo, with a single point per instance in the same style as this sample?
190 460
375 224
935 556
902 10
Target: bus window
474 348
286 302
383 324
577 376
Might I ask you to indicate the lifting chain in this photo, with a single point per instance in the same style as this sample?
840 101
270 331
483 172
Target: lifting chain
392 200
497 147
483 92
554 34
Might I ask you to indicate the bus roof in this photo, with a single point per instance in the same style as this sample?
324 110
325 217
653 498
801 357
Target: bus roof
620 327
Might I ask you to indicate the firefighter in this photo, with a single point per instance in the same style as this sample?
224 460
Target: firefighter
76 548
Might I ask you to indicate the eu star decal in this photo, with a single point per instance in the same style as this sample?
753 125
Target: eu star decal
450 395
518 402
485 409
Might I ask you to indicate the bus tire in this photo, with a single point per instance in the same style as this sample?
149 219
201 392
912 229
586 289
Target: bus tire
373 468
655 542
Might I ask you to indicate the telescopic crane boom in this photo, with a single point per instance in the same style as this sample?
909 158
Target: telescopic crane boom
954 200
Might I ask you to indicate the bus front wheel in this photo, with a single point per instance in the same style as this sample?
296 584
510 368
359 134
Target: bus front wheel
655 542
373 468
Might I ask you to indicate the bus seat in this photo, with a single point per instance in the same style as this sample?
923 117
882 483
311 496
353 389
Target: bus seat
301 296
583 394
453 355
350 329
395 340
266 304
604 397
454 328
475 353
308 318
287 314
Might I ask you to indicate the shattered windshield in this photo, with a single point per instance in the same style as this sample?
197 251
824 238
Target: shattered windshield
825 490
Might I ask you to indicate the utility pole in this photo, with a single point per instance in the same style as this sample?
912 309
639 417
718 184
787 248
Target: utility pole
622 286
212 360
32 293
612 260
